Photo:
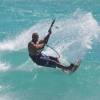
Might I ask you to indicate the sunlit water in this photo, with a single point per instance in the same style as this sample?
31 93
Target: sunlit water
76 34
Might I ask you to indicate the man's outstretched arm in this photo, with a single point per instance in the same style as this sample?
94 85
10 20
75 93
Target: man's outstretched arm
45 40
47 37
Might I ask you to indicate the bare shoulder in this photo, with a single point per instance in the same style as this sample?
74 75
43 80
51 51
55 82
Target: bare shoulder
41 41
30 44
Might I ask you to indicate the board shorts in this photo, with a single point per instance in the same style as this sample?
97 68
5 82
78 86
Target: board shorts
44 60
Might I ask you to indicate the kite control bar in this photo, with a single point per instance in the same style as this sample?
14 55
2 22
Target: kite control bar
51 25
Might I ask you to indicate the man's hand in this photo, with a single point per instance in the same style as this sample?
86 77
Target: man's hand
49 32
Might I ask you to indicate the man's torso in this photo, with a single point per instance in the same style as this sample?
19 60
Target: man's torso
32 49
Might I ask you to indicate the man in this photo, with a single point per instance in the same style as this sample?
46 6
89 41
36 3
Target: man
35 48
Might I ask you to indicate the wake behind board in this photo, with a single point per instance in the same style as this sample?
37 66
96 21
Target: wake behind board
73 67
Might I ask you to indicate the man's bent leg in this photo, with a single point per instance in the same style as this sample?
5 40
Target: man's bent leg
70 68
62 66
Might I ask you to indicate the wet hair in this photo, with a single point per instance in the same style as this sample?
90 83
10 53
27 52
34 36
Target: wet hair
35 35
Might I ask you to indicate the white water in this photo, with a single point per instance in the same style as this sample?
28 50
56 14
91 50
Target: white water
72 36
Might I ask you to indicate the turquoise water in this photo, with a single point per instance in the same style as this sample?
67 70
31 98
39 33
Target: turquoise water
75 35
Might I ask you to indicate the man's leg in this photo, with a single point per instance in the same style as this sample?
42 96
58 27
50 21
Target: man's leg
53 62
67 68
71 68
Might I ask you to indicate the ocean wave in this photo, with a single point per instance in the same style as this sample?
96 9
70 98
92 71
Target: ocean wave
74 35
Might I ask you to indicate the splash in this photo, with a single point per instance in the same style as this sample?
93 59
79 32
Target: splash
71 37
75 36
20 42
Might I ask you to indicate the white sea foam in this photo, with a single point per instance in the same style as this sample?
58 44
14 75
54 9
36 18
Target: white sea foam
20 41
74 35
4 67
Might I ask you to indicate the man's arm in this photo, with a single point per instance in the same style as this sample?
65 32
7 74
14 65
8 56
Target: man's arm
47 37
45 40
